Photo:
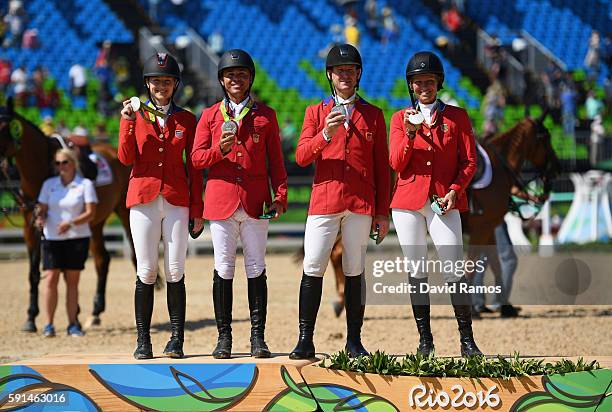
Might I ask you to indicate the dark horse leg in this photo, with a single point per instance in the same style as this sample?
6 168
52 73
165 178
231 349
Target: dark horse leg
336 261
32 238
102 261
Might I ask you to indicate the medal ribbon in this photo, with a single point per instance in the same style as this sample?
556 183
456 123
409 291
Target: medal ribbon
245 110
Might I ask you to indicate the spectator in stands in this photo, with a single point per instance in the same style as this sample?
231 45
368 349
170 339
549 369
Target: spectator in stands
45 92
5 75
568 108
372 18
19 79
591 60
78 79
493 105
390 27
15 20
104 55
47 126
105 75
593 105
215 41
66 204
351 31
30 39
452 19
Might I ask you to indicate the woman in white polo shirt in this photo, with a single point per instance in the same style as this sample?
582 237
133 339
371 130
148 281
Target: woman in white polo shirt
66 204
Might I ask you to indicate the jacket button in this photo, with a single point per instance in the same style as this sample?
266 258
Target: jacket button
238 142
429 148
238 179
428 163
161 149
162 136
348 168
239 167
347 151
239 154
160 164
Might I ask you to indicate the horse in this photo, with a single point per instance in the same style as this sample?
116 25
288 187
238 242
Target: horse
33 152
528 140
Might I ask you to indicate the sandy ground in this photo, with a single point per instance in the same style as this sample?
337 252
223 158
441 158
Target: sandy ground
541 330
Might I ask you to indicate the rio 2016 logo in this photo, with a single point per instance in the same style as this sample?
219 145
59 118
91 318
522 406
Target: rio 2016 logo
420 397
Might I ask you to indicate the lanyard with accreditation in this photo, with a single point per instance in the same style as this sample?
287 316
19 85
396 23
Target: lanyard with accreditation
233 121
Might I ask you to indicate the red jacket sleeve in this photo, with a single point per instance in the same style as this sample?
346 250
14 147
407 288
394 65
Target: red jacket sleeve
382 177
311 142
204 155
467 154
126 152
400 150
196 179
276 165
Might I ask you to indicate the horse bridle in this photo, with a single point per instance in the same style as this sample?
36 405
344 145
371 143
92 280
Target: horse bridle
546 174
22 201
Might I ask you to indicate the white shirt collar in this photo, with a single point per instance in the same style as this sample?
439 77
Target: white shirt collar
164 109
349 101
237 107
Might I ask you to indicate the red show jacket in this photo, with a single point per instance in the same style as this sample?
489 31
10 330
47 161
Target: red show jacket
352 170
439 158
243 176
156 156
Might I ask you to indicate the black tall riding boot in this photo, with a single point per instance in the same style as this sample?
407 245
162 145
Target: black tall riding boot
222 299
258 304
421 310
143 308
311 289
463 313
177 302
355 309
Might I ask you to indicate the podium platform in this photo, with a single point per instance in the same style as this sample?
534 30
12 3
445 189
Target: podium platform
202 383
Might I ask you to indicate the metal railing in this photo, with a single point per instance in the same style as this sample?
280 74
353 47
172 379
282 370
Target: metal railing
539 57
515 72
202 59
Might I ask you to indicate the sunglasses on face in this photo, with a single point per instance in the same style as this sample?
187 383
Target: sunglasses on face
61 162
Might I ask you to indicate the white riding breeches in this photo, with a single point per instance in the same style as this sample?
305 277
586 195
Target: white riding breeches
412 227
253 234
155 221
321 233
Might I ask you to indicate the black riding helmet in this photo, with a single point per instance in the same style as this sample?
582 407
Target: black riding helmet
236 58
340 55
161 64
424 62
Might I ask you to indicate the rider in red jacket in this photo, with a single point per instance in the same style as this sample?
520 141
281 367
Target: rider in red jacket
346 138
433 152
163 194
238 141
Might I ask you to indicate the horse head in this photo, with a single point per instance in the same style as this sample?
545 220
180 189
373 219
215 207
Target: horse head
11 130
539 151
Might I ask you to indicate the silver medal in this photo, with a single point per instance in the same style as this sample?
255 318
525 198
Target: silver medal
230 126
416 118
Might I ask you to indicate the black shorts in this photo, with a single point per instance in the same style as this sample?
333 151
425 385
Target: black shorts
65 254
